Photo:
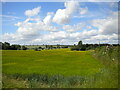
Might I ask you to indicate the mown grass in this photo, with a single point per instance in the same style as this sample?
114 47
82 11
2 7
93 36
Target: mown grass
60 68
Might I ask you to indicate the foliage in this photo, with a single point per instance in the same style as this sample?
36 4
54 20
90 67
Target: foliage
24 48
7 46
0 45
36 49
79 47
15 47
80 44
108 56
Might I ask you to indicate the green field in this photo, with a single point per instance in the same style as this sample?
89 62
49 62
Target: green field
51 62
59 68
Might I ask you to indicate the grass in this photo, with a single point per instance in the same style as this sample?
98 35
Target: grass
109 58
60 68
51 62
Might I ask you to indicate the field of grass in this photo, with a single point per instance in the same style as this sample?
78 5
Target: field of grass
52 62
57 68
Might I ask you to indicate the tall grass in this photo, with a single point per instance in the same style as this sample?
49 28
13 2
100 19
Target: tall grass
109 57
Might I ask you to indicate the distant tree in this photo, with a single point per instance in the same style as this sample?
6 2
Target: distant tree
15 47
36 49
74 44
58 46
76 48
80 43
1 45
46 46
40 47
79 47
65 46
83 48
24 48
5 46
51 47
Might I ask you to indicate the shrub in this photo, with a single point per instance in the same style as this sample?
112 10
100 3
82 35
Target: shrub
75 48
24 48
36 49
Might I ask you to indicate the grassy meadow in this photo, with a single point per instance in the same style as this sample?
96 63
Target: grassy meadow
61 61
60 68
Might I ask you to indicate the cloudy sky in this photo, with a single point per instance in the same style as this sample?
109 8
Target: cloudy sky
59 22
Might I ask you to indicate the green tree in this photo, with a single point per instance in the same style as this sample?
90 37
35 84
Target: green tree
1 45
79 45
46 46
24 48
6 46
15 47
58 46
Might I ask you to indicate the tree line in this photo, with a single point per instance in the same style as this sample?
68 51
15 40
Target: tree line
79 47
7 46
82 47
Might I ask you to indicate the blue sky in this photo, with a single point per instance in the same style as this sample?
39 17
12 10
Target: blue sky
59 21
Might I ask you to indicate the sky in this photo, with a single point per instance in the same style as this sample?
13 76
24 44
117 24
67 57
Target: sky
59 22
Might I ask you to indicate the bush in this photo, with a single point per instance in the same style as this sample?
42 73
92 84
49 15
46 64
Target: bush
24 48
75 48
15 47
36 49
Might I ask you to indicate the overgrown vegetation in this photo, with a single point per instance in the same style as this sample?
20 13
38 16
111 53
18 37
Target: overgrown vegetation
108 56
82 47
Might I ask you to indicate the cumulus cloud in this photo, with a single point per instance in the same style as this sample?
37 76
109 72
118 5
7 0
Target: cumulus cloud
30 29
48 19
75 27
108 25
28 32
33 30
32 12
71 7
63 16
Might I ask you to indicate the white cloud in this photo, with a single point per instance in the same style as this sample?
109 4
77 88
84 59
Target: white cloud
9 18
28 31
77 27
32 12
71 7
33 30
83 11
48 19
108 25
63 16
